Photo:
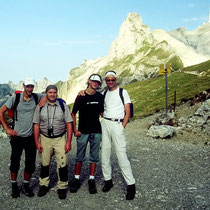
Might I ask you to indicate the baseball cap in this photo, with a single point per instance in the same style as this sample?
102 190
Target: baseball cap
29 81
95 77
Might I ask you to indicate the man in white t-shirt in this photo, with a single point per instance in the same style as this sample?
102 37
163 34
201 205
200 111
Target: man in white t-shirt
115 118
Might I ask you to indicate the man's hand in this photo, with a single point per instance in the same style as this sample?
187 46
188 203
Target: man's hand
11 132
67 147
81 93
77 133
39 147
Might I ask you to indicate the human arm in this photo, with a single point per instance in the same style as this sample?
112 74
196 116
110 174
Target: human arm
76 133
9 131
36 137
69 137
127 115
81 93
43 101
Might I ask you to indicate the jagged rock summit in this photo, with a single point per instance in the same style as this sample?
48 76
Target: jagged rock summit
131 37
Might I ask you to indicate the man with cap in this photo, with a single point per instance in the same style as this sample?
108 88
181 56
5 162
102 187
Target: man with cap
51 123
89 107
22 135
115 118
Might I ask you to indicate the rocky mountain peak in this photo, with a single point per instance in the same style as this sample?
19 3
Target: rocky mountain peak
132 33
133 20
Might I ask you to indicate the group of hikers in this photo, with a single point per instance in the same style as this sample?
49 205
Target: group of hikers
44 122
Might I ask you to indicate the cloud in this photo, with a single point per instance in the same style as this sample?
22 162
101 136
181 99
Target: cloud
195 19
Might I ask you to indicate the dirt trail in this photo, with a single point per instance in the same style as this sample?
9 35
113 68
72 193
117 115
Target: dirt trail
170 174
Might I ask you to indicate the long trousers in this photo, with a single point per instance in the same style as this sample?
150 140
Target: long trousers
18 144
114 131
56 145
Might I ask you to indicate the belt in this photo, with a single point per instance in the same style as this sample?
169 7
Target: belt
52 137
115 120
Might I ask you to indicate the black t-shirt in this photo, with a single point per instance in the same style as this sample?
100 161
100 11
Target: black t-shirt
89 107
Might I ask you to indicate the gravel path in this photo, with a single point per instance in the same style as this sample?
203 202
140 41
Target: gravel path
170 174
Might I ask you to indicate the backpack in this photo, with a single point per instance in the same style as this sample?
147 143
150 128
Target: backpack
122 98
13 111
61 103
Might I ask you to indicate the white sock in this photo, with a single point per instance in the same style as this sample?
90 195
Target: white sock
13 181
91 177
76 176
25 181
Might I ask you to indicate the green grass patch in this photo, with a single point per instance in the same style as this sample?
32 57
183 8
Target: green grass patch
148 96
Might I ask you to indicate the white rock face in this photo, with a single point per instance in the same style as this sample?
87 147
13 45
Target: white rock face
198 39
131 36
188 55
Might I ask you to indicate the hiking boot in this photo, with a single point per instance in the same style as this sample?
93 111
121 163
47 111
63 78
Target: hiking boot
131 191
107 185
92 186
43 190
62 193
75 186
27 190
15 190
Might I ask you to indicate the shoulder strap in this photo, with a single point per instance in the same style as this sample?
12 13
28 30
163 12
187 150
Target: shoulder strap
17 100
61 103
35 97
121 95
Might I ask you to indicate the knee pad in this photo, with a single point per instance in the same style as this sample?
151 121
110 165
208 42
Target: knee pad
44 171
63 173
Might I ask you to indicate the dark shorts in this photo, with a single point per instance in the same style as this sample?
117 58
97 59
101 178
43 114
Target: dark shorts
18 144
82 141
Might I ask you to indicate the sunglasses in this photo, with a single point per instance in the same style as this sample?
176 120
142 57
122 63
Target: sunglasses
110 80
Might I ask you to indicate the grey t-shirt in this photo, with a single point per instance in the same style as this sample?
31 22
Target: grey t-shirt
52 116
25 112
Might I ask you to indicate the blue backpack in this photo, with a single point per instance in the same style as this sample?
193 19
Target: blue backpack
61 103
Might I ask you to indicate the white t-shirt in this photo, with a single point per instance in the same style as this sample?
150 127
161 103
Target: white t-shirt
113 105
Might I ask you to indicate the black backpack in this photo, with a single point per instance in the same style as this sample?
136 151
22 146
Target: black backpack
122 98
17 100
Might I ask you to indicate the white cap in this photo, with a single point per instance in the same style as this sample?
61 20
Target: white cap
29 81
111 73
95 77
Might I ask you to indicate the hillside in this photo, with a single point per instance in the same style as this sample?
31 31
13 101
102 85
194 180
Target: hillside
148 96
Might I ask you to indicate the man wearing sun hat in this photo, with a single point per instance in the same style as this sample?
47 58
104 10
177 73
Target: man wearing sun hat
115 118
89 107
22 135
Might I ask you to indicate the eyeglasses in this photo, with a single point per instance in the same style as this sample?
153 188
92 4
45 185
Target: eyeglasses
29 86
110 80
